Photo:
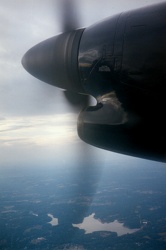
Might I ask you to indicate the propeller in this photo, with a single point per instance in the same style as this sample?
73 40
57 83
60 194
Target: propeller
70 20
55 60
47 61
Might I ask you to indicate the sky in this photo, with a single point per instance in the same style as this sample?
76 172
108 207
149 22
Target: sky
37 126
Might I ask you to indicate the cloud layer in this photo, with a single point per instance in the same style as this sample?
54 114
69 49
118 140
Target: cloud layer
49 130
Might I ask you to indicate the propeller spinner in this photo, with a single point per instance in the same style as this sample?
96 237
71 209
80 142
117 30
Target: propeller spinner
54 61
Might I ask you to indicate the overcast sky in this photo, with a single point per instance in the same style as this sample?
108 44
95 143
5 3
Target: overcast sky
36 124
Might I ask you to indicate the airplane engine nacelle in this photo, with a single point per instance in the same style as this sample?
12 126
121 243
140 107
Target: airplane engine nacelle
122 64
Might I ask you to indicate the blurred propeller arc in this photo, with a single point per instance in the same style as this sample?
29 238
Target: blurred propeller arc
70 20
55 60
47 61
70 15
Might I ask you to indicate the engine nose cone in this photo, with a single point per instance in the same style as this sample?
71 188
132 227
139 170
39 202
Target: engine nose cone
41 60
55 61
